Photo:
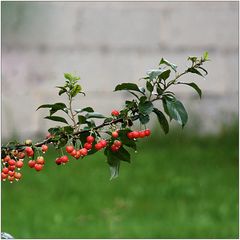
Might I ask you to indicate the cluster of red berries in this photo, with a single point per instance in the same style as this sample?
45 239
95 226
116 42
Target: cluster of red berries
10 166
38 164
62 160
116 145
139 134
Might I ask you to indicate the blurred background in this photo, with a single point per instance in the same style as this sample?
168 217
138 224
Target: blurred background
184 185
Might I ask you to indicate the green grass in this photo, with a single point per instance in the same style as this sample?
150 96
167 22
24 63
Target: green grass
178 186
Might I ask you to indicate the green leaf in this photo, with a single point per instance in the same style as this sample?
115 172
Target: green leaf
195 86
149 86
165 75
166 62
62 91
45 106
77 88
54 131
127 86
205 56
125 140
107 120
68 76
165 108
144 119
86 109
56 107
68 129
94 115
145 107
153 73
194 70
57 119
177 111
81 119
162 120
143 99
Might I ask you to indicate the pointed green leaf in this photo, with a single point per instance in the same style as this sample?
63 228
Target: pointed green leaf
77 88
45 106
162 120
127 86
81 119
149 86
195 86
145 107
94 115
165 75
144 119
205 56
194 70
153 73
177 111
57 119
166 62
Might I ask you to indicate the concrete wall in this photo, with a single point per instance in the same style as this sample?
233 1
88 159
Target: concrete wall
111 42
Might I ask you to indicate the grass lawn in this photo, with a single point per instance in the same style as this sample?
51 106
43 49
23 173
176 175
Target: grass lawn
178 186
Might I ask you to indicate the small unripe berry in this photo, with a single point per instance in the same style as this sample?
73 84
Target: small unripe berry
115 112
44 148
31 163
38 167
147 132
69 148
88 146
40 160
98 146
28 142
115 134
19 164
90 139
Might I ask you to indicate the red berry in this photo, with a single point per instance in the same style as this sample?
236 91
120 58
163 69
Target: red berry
115 134
11 162
44 148
31 163
38 167
11 167
40 160
11 173
19 164
142 134
48 135
135 134
78 154
115 112
11 178
73 153
147 132
117 143
130 135
98 146
21 155
83 151
5 170
114 148
29 151
103 142
17 175
88 146
7 158
90 139
3 176
69 148
58 161
64 159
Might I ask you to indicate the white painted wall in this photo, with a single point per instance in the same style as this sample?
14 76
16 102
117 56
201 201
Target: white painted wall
107 43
